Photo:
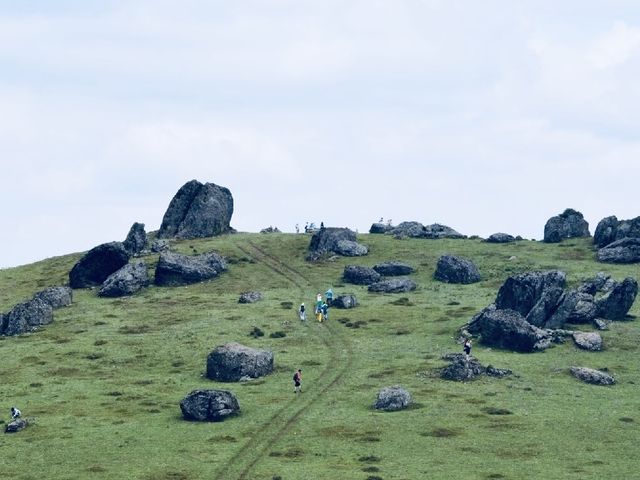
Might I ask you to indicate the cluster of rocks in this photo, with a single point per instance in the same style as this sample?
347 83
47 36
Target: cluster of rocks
463 368
270 229
338 241
16 425
28 316
532 308
374 277
418 230
568 224
618 241
453 269
198 210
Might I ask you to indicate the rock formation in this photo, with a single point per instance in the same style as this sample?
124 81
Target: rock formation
97 264
417 230
462 368
232 361
25 317
340 241
393 285
209 405
126 281
345 301
392 399
57 297
452 269
360 275
591 341
626 250
198 210
568 224
176 269
136 239
610 229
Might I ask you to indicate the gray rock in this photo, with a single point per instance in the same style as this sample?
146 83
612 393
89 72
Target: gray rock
568 224
26 317
544 307
393 285
136 239
392 399
452 269
437 230
176 269
209 405
341 241
126 281
462 368
611 229
591 341
522 292
57 297
594 377
270 230
160 246
198 210
615 304
232 361
600 324
360 275
600 283
393 269
417 230
562 310
250 297
380 228
97 264
348 248
500 238
509 330
585 310
626 250
16 425
345 301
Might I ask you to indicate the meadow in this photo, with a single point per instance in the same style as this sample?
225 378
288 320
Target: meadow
103 382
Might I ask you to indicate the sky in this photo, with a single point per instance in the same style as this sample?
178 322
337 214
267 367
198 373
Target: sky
487 116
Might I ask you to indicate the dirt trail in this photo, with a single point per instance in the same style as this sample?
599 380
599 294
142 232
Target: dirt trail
340 361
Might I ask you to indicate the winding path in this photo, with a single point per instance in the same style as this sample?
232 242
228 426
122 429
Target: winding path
272 431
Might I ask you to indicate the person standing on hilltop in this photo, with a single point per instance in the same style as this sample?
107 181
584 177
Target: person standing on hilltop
467 348
297 381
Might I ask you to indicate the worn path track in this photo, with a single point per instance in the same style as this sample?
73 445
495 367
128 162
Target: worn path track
340 361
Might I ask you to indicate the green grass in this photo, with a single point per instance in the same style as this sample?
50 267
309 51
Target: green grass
103 382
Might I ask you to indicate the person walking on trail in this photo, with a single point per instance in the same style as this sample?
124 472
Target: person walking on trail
329 295
467 348
15 413
324 308
318 309
297 381
302 313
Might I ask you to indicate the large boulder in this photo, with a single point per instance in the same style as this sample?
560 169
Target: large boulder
392 399
522 292
592 376
615 304
611 229
625 250
176 269
232 361
57 297
97 264
393 269
500 238
26 317
452 269
136 239
437 230
126 281
463 368
209 405
380 228
568 224
508 329
417 230
340 241
393 285
591 341
198 210
360 275
345 301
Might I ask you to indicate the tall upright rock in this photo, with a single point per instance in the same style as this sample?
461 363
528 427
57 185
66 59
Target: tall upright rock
568 224
198 210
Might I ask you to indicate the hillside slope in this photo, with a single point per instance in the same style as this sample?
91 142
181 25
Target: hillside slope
103 382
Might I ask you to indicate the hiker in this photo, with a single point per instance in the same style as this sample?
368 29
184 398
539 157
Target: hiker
329 295
302 313
324 308
318 309
297 381
467 348
321 225
297 228
15 413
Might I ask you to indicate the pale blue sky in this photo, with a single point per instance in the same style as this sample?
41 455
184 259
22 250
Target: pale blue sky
486 116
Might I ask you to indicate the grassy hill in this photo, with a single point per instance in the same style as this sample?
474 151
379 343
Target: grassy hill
103 382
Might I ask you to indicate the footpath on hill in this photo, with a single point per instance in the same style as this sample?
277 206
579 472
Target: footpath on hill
273 430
